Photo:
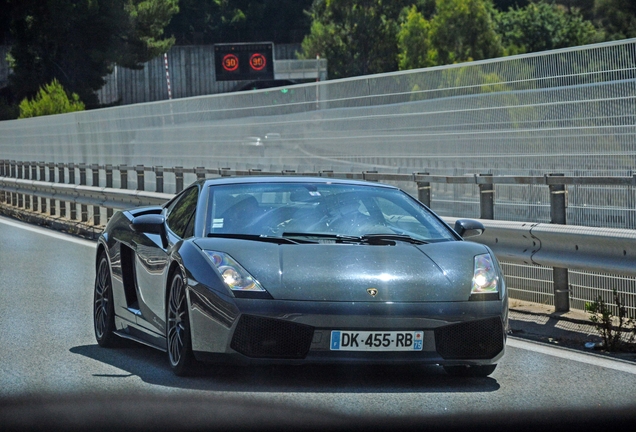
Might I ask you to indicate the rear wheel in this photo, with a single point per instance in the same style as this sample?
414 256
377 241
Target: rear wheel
178 328
103 307
470 371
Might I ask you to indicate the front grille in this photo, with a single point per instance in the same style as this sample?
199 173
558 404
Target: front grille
482 339
271 338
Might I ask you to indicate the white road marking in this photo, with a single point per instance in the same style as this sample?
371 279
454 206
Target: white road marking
568 354
48 232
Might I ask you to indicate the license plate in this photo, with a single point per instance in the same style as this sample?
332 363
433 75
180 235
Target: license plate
342 340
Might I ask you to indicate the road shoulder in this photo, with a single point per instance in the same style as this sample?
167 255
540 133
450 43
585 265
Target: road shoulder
573 329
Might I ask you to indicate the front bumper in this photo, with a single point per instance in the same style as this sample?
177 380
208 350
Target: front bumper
256 331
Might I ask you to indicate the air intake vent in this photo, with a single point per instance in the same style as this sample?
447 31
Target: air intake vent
482 339
271 338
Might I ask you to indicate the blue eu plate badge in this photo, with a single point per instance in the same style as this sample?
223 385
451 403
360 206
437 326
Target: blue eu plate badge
335 340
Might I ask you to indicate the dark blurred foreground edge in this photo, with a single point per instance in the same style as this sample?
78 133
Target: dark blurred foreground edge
136 412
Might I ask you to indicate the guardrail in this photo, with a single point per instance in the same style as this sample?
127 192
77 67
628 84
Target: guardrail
554 244
88 195
607 250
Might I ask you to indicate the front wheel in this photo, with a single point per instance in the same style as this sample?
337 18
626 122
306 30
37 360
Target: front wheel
103 306
178 328
470 371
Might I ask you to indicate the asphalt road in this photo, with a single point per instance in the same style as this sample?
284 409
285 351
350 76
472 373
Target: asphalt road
47 348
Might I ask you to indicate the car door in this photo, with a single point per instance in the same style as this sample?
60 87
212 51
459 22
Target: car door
152 260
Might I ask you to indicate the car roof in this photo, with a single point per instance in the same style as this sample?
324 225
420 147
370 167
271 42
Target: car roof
291 179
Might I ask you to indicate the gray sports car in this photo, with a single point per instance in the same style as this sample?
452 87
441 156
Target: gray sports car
300 270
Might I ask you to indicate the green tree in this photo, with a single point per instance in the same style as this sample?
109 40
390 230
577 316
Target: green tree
542 26
78 43
616 18
504 5
51 99
281 21
464 30
426 8
414 41
586 7
206 21
215 21
359 37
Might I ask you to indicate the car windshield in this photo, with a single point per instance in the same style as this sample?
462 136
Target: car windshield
321 210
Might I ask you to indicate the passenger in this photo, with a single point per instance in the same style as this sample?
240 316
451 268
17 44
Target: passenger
239 217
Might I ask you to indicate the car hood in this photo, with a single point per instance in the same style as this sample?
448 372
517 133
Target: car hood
345 272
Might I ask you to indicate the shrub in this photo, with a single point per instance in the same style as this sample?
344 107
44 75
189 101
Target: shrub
609 327
51 99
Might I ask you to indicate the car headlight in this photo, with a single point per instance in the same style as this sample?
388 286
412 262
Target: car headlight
233 274
485 278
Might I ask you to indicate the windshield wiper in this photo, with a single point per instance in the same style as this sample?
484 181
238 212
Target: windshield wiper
338 238
259 237
372 239
384 238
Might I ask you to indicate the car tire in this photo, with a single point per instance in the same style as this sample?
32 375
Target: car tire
178 338
470 371
103 305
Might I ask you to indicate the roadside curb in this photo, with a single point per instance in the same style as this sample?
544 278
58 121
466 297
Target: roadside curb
75 228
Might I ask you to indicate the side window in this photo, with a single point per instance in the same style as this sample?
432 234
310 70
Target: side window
180 217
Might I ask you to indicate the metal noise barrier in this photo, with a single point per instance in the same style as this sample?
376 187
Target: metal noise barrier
606 250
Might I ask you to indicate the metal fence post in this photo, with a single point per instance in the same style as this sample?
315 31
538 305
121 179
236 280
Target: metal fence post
366 173
31 173
61 179
20 196
159 178
200 172
42 177
123 174
109 184
424 191
631 223
27 176
14 196
83 207
2 174
96 209
52 206
178 174
71 180
558 205
486 199
141 182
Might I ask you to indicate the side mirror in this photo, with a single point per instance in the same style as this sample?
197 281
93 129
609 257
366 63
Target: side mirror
469 228
151 224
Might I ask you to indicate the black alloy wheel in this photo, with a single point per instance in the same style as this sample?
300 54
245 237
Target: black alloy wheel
178 328
480 371
103 307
